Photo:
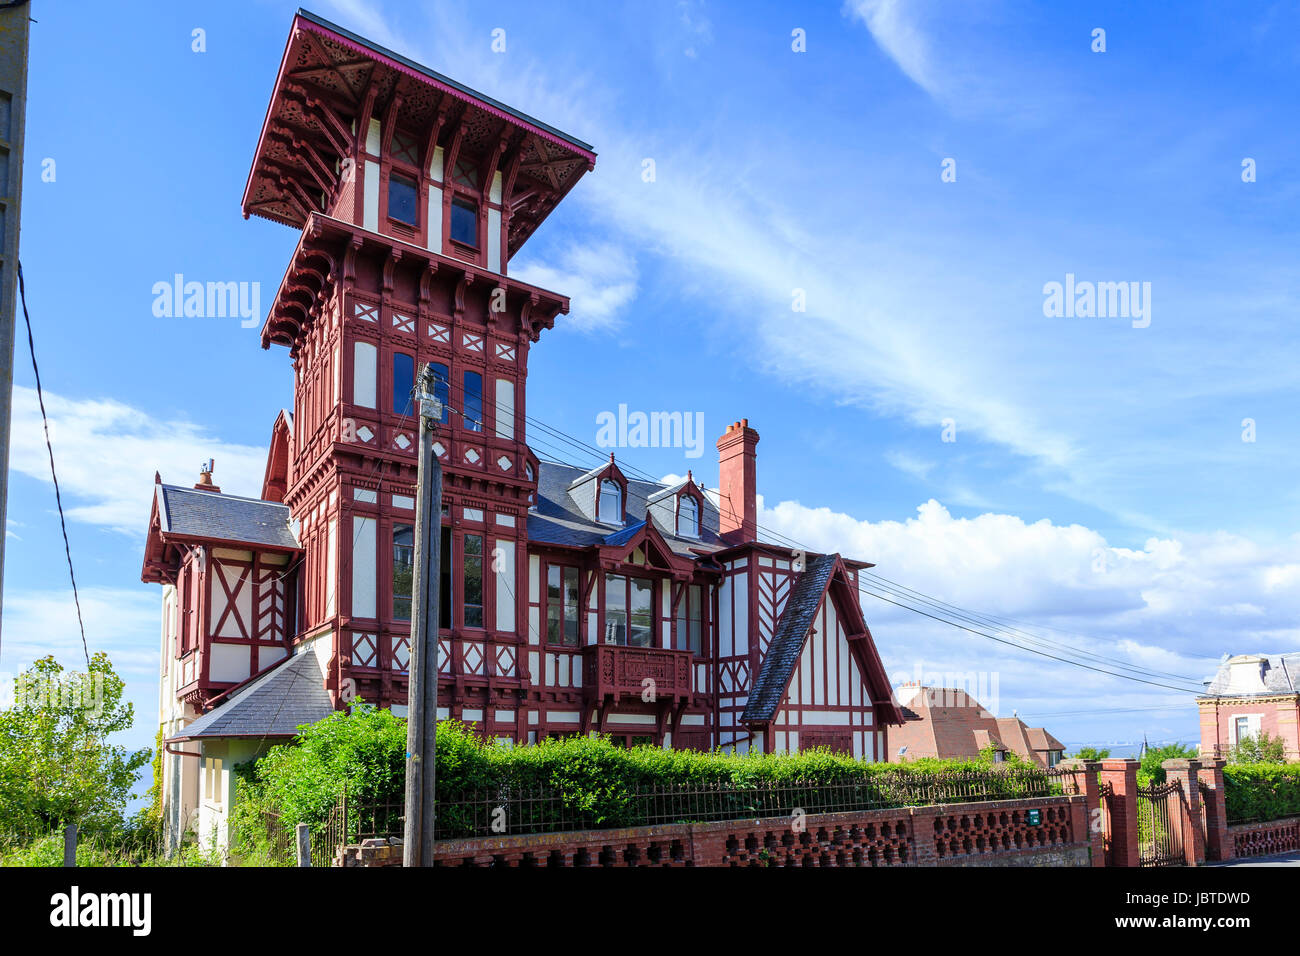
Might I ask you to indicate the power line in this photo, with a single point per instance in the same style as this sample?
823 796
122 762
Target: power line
909 594
58 498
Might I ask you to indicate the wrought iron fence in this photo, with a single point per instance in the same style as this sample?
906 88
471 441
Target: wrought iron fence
510 809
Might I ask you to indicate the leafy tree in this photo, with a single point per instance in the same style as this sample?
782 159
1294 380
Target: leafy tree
56 763
1150 771
1264 748
1092 753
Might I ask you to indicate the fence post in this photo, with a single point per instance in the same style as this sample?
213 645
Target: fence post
1092 804
1121 774
1187 773
70 845
1218 841
304 845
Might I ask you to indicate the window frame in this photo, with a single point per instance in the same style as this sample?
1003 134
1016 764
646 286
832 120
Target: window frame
466 558
601 482
399 172
547 603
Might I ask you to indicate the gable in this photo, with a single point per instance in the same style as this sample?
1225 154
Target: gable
821 604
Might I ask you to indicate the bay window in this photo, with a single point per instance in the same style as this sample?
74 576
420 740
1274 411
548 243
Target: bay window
629 615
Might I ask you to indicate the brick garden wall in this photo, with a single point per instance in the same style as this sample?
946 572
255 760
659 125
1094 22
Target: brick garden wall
1265 839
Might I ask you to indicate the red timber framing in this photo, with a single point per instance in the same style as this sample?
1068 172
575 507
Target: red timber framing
234 606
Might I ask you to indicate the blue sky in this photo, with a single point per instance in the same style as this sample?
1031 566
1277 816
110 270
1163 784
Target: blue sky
1098 489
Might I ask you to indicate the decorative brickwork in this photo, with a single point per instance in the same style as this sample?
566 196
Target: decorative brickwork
1265 839
975 834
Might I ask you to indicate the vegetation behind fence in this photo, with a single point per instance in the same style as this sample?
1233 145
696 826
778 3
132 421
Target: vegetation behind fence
344 778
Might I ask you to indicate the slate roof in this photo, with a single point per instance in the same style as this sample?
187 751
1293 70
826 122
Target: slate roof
1281 675
273 705
557 518
787 643
189 512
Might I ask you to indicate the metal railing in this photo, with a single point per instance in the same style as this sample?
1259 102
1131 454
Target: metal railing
514 810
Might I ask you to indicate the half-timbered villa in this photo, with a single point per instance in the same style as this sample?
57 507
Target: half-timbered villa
573 601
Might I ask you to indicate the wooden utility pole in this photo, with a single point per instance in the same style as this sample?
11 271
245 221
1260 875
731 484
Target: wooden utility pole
15 16
422 703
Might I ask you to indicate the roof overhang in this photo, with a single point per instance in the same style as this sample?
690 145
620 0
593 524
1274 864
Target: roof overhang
326 253
331 81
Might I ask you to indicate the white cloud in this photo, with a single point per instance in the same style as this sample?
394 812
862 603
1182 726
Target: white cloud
106 453
599 279
894 27
909 464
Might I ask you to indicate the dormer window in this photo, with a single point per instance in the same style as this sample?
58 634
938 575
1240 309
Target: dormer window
688 517
610 503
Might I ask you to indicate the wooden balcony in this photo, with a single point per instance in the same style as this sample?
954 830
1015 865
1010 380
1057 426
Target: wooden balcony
613 671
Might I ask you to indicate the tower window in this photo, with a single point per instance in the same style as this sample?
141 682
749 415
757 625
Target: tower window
403 570
472 414
442 388
403 383
402 195
464 222
473 580
610 505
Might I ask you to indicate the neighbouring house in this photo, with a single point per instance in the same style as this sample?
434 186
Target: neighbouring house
1251 694
949 723
574 600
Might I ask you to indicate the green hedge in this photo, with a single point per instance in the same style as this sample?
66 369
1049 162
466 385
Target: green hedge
1261 791
582 781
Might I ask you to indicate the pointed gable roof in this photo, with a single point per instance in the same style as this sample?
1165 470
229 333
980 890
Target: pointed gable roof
824 575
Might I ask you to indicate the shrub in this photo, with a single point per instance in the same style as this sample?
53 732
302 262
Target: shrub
1264 748
586 782
1261 791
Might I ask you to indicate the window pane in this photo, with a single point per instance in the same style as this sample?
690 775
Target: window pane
403 383
641 630
473 411
687 521
403 570
473 580
571 606
554 605
442 388
464 222
402 193
615 609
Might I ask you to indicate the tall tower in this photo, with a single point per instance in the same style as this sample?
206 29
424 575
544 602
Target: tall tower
412 193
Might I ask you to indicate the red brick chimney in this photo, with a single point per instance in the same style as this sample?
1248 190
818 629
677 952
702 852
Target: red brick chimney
737 483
